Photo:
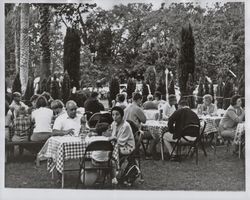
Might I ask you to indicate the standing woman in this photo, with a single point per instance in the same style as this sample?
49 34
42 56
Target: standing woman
234 115
122 132
42 118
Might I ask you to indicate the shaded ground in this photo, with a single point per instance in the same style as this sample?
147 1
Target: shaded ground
223 172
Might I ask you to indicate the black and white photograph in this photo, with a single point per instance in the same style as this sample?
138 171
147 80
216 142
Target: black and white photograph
124 97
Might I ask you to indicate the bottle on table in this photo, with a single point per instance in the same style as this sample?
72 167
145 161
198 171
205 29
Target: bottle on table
83 130
199 109
160 108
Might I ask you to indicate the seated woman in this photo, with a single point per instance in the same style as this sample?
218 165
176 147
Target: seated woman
122 132
233 115
207 108
42 118
149 104
58 108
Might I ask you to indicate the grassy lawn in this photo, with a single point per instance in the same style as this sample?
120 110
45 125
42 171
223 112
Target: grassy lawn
223 172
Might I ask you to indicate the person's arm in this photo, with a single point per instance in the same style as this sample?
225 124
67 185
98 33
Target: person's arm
125 134
166 111
214 111
101 106
56 132
232 114
8 118
172 120
141 116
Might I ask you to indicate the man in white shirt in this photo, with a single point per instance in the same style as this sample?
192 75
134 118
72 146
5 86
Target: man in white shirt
68 123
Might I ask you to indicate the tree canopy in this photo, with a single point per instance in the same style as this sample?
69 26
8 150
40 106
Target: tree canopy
133 37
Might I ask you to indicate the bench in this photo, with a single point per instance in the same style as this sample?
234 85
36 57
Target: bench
33 146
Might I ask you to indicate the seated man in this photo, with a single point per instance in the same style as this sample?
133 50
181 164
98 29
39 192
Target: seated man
149 104
134 112
169 107
68 123
92 104
177 121
121 101
158 101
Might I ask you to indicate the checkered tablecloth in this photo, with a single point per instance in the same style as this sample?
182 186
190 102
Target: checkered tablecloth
240 131
156 128
212 123
61 148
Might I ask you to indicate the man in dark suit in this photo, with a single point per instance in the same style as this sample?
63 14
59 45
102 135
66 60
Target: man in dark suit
177 121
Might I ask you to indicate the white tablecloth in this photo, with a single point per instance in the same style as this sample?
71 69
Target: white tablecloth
240 131
151 114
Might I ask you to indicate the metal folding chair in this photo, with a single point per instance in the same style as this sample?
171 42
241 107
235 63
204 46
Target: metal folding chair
192 130
96 146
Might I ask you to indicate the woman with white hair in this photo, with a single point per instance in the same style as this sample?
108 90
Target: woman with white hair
149 104
207 108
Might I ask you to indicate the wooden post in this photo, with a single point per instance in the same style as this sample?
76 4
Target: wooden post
166 72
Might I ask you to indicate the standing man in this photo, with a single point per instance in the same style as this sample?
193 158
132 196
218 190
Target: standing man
177 121
68 123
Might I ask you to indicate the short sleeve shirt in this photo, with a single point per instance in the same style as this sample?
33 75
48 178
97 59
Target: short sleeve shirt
64 122
43 118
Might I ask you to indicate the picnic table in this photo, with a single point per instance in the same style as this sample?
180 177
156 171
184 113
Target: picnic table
156 128
58 149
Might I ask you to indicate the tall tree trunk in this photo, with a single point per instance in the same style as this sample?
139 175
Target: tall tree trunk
17 38
186 65
71 56
24 46
45 41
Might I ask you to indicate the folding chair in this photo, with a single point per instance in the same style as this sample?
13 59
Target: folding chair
138 135
107 167
192 130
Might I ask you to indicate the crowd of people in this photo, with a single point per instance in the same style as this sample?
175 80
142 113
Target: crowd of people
47 117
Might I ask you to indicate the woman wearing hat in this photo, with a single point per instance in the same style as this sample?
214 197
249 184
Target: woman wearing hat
122 132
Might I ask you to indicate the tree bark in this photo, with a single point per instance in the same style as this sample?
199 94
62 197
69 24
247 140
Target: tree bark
17 38
24 46
45 42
